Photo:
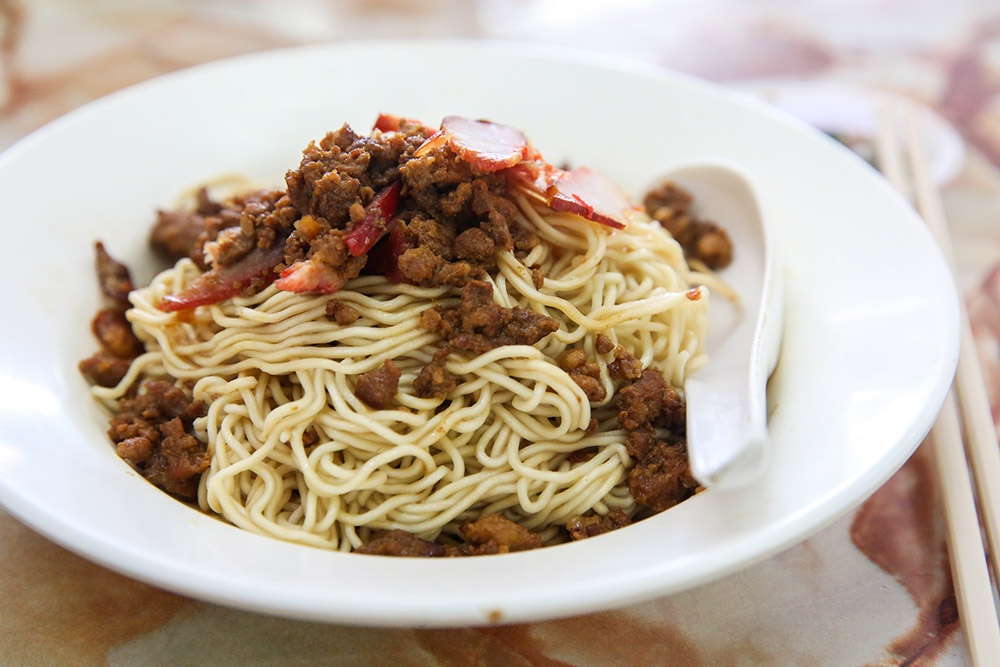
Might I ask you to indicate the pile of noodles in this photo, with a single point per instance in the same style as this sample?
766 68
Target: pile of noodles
296 455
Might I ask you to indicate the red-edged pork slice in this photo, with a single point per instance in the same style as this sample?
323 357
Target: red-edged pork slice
311 276
383 259
439 138
366 233
487 146
535 176
590 193
228 281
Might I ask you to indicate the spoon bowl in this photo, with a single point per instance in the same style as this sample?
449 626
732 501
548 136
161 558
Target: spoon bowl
727 434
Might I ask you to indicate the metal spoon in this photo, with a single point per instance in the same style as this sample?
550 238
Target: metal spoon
727 432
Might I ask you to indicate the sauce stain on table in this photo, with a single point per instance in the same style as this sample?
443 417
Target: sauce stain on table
56 608
914 552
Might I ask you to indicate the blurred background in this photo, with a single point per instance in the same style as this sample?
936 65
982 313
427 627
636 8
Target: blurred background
58 54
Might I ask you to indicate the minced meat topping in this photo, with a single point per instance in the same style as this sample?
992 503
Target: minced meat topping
701 239
479 324
153 432
400 204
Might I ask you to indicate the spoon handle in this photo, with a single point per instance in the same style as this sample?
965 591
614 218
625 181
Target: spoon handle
732 438
727 421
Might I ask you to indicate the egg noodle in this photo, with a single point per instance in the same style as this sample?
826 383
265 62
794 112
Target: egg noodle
297 456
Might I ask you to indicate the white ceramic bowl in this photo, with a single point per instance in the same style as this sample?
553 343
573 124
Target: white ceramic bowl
869 350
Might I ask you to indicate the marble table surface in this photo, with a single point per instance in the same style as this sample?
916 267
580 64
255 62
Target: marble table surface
873 588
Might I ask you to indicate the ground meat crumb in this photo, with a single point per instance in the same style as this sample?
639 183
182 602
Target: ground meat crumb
662 478
402 543
177 233
434 379
640 443
377 389
113 277
537 277
479 324
491 534
114 332
712 245
650 402
624 366
310 436
494 534
603 344
104 370
135 450
700 239
118 343
177 464
342 313
667 200
588 526
587 453
586 373
152 430
475 244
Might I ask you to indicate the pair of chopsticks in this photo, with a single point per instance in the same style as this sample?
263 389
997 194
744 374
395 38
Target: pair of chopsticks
968 467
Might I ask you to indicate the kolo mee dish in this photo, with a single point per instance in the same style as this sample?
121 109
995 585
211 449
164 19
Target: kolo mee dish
429 342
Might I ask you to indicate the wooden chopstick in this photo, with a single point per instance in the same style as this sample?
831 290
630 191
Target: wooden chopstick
977 418
960 483
969 571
